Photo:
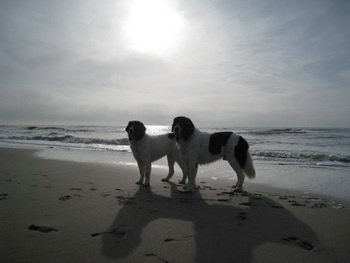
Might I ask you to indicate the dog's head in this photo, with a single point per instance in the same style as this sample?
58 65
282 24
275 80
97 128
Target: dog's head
182 128
136 130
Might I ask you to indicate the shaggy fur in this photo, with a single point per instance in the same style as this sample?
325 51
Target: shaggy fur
198 147
147 149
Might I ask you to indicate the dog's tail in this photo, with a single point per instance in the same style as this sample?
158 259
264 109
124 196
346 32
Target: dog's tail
244 158
248 168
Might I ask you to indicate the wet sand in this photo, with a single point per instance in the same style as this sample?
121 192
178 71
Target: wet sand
61 211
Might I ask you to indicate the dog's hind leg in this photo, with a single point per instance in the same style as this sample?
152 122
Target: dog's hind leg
171 162
240 175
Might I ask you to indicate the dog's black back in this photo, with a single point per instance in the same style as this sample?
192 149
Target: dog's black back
217 140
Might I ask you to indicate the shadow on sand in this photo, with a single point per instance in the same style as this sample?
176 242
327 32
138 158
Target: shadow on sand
225 229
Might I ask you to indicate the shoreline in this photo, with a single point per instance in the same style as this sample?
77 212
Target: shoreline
327 183
65 211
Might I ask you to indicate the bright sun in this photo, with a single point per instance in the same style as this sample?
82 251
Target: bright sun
153 26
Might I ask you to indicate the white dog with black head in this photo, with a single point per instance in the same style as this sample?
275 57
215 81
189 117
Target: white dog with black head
198 147
147 149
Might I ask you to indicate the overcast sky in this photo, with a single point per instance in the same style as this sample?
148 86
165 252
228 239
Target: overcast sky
226 63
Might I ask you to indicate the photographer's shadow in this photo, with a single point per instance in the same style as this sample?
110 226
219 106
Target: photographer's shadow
222 232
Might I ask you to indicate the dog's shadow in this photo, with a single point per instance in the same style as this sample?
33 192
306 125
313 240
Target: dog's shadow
220 232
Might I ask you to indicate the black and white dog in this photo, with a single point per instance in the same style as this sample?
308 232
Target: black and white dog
198 147
147 149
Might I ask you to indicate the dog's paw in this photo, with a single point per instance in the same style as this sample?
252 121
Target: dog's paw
182 182
165 180
238 189
146 185
138 182
188 189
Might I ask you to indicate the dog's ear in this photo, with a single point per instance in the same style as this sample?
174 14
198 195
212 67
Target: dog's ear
139 130
187 128
174 124
186 125
128 126
176 121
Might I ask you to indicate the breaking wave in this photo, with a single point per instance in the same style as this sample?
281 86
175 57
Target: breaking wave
308 158
300 146
67 139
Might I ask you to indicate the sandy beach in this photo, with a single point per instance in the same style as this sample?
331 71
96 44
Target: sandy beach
61 211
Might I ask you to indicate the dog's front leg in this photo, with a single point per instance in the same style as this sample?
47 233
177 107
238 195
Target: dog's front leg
184 172
148 168
141 170
192 172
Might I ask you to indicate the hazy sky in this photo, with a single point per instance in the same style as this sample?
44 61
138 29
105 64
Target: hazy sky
220 62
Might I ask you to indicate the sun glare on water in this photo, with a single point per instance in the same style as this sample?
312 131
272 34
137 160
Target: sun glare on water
153 27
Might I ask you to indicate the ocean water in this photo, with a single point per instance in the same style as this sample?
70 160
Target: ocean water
312 160
294 146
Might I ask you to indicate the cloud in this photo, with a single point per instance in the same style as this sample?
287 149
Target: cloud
248 63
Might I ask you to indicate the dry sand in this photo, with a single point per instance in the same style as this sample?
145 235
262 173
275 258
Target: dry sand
59 211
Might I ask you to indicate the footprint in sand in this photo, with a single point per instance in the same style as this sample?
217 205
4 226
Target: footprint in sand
242 216
118 232
154 258
295 203
301 243
149 210
319 205
3 196
42 229
224 199
246 204
44 175
75 189
124 200
65 197
171 240
277 206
